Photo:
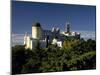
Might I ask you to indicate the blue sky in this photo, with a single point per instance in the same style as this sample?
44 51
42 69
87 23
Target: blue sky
24 14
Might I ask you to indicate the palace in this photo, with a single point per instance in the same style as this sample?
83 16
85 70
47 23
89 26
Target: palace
44 37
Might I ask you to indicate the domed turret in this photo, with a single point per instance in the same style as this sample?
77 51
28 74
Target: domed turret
36 25
36 31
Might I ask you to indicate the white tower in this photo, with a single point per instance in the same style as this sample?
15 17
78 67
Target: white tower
36 31
25 38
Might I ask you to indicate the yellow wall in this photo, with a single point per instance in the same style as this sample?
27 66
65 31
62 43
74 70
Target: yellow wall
36 32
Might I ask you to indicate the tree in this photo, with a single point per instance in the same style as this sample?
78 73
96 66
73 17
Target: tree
20 56
74 55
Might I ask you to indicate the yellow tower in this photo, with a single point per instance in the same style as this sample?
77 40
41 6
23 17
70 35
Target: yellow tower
36 31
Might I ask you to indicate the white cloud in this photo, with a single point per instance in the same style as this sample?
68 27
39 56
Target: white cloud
88 35
18 39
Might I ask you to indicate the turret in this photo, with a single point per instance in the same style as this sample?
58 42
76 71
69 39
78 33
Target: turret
53 29
58 30
25 38
36 31
67 28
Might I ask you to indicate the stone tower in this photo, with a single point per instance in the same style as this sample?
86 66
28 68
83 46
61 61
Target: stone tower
36 31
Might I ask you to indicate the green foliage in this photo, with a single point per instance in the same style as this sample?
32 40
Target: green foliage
20 56
74 55
84 61
70 43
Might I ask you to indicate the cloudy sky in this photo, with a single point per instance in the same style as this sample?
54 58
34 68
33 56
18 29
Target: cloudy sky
24 14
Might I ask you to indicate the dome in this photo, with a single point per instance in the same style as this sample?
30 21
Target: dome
37 24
